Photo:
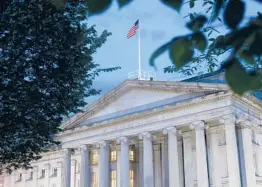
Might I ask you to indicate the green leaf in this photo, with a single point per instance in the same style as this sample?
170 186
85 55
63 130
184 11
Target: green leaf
97 7
175 4
180 51
256 44
197 23
234 13
239 80
123 3
217 8
191 16
158 52
192 3
199 41
247 57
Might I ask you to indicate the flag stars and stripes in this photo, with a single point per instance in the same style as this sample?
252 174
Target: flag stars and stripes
133 29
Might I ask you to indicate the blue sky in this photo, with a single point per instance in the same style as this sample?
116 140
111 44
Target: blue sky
158 24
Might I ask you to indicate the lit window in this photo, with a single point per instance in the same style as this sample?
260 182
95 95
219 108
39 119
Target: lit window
54 172
131 177
131 155
113 178
94 157
93 180
42 173
113 156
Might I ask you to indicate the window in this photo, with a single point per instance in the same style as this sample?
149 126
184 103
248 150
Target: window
113 156
42 173
113 178
94 157
93 180
131 155
131 176
54 172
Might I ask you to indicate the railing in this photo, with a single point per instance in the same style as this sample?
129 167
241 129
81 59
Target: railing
144 75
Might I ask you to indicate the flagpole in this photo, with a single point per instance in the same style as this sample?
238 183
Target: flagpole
139 52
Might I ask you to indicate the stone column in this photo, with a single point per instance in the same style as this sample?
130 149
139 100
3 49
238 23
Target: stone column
250 172
47 174
173 160
188 164
201 158
164 155
124 162
66 182
157 165
73 172
141 173
35 176
85 167
232 150
104 165
118 165
214 152
59 174
259 154
147 159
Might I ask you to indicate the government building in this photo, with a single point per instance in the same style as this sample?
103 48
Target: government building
147 133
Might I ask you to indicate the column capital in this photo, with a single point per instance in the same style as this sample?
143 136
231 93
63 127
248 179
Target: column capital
103 143
122 140
145 135
244 123
198 125
83 148
228 119
66 151
172 130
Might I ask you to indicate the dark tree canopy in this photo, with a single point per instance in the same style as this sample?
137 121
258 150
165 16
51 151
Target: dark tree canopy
46 71
188 52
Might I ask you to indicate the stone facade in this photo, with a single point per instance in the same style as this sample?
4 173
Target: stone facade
156 134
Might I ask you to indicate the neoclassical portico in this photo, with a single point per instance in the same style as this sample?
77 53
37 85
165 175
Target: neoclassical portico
157 134
196 134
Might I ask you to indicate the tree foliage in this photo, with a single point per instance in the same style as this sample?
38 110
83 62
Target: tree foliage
46 71
243 42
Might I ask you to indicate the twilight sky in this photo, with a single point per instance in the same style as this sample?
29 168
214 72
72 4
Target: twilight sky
158 24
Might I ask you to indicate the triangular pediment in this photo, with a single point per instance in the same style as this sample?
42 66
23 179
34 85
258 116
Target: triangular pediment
134 96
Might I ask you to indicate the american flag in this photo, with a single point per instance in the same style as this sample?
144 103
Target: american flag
133 29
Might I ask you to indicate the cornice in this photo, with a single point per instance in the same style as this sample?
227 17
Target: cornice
250 100
178 87
182 105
